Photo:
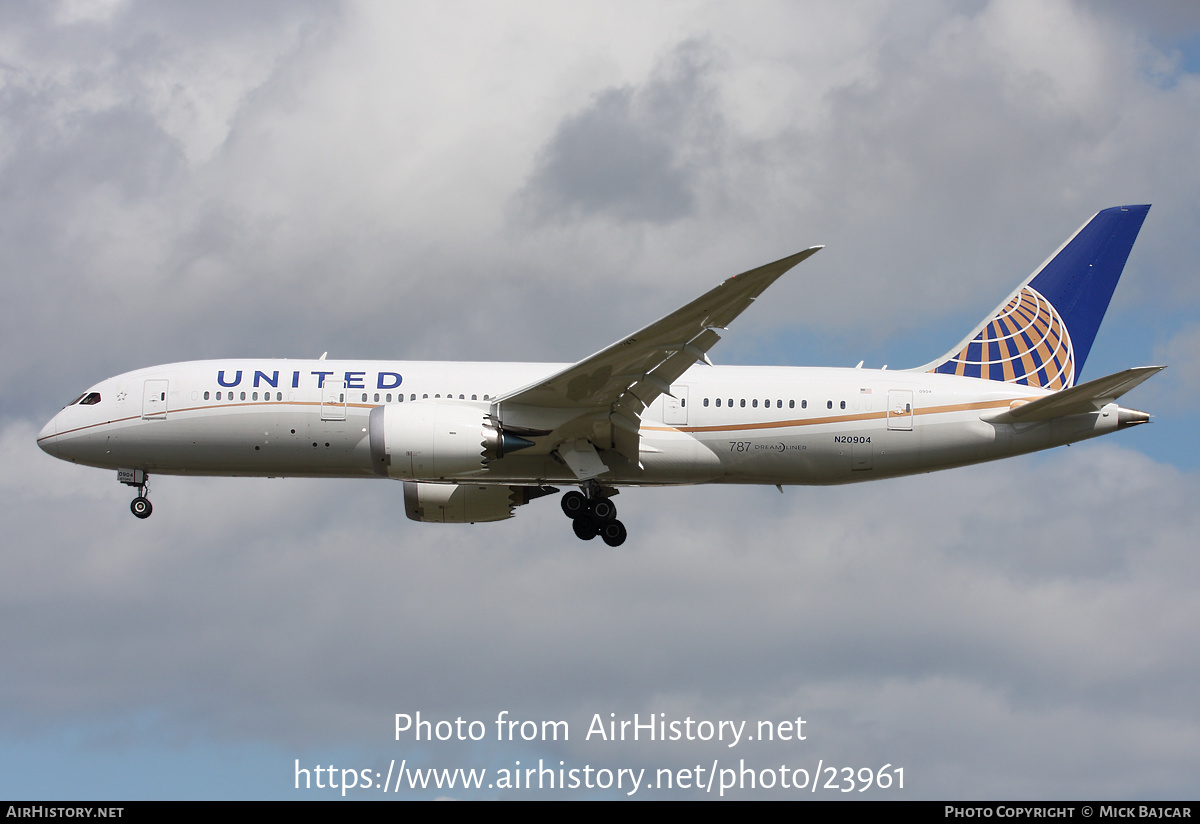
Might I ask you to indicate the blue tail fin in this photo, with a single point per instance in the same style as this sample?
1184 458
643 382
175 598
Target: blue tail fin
1041 335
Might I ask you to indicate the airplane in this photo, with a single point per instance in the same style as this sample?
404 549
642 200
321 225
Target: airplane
474 441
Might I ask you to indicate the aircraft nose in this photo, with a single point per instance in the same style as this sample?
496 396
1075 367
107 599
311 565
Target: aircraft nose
48 438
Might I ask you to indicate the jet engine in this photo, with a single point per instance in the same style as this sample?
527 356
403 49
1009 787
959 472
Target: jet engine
430 440
466 503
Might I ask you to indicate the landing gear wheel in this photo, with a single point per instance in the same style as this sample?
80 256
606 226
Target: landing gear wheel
585 530
574 505
613 533
604 510
141 507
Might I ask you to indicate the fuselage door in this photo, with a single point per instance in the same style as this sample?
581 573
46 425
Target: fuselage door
154 400
333 401
900 409
675 409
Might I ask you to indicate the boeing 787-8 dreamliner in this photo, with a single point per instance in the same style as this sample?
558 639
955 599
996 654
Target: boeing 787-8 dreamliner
474 441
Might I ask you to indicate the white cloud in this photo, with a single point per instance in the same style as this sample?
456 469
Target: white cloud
945 622
289 180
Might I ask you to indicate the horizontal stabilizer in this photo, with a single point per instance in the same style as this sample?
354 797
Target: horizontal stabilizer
1087 397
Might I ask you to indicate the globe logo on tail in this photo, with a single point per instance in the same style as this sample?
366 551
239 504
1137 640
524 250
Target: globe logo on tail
1026 342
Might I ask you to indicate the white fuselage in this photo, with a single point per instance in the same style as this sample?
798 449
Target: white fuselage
731 424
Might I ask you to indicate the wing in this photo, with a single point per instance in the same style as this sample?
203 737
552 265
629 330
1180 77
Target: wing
621 380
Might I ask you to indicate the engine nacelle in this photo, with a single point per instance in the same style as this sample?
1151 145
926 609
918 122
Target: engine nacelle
437 440
457 504
466 503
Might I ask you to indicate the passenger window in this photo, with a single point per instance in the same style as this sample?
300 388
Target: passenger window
254 397
754 403
743 403
243 396
278 396
474 398
843 404
791 404
706 402
206 396
804 404
718 402
829 404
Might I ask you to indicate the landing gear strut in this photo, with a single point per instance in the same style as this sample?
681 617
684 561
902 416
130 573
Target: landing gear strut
140 506
592 513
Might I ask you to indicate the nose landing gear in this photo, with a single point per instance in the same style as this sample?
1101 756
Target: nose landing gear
140 506
592 513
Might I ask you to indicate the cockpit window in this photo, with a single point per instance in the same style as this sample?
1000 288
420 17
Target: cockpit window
90 399
77 400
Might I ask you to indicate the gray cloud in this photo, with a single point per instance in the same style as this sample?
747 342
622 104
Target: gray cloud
635 153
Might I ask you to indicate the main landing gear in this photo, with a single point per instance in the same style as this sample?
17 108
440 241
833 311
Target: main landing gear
592 513
140 506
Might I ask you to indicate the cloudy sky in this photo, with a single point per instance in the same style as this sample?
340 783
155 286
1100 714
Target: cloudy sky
530 182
